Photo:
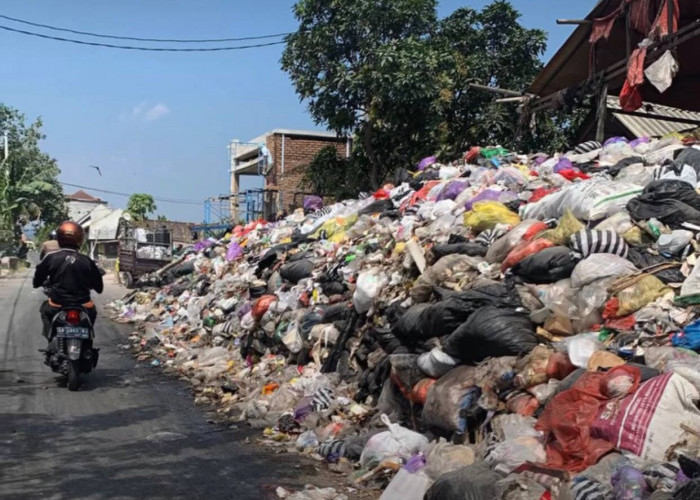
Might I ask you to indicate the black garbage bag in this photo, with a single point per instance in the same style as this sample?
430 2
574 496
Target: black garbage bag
671 201
377 207
469 248
183 269
491 332
387 341
643 260
426 321
333 288
473 482
296 271
689 491
548 266
688 156
625 162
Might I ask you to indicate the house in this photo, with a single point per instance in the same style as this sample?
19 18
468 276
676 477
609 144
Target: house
280 156
602 58
80 204
101 227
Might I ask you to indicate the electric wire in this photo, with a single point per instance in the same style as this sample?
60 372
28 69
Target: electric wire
139 39
162 200
147 49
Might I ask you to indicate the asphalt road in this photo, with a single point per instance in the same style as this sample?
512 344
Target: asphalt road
130 432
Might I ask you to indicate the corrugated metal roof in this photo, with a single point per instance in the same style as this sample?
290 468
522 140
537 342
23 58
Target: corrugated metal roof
641 126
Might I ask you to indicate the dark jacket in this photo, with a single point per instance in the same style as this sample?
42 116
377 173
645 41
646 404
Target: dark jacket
71 276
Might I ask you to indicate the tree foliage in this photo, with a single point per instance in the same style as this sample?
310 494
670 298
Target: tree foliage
29 187
395 77
140 205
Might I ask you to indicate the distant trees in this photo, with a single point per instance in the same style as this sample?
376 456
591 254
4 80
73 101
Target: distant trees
29 186
140 205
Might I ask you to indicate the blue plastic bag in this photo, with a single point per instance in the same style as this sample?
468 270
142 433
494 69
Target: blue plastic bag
689 338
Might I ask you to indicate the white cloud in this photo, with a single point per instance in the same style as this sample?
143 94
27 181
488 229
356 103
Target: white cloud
138 109
157 111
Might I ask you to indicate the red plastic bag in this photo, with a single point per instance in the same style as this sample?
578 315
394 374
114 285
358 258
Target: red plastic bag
534 230
419 195
559 366
262 305
525 250
569 416
540 193
473 154
571 174
630 97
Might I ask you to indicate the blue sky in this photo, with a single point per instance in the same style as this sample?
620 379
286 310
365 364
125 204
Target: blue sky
160 122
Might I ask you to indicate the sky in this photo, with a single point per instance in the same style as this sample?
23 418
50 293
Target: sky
160 123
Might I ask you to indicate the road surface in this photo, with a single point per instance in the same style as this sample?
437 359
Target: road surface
130 432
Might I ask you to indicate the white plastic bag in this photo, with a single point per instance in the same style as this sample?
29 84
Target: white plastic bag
620 223
406 486
673 243
292 339
395 444
691 285
369 284
436 362
512 453
598 266
581 347
661 73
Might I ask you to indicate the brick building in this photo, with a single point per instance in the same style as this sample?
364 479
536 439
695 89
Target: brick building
281 157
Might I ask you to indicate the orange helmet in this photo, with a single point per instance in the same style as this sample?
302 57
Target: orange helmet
70 235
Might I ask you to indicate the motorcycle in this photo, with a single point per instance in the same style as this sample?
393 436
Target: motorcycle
70 350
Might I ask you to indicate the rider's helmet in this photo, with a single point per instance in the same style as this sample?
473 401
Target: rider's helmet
70 235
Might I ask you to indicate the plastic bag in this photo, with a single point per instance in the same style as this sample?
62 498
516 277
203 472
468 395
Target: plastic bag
524 250
674 243
406 485
369 284
689 338
581 347
590 241
512 453
500 248
691 286
620 223
486 214
661 73
398 443
633 298
598 266
443 457
567 226
591 200
436 362
473 482
547 266
234 252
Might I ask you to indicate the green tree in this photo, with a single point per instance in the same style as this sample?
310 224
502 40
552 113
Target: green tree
140 205
363 67
29 186
398 79
161 218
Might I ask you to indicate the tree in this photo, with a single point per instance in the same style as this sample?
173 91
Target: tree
161 218
140 205
363 66
29 186
392 74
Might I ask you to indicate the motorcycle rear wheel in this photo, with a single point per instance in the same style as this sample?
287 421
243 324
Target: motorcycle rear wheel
73 376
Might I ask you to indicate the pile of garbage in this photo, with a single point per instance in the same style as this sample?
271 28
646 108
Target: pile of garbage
509 326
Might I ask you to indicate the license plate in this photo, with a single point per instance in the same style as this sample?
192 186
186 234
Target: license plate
73 332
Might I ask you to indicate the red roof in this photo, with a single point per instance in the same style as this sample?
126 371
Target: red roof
83 196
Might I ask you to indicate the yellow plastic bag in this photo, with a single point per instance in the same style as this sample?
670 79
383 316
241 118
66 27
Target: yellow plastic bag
634 236
334 226
644 291
486 214
568 225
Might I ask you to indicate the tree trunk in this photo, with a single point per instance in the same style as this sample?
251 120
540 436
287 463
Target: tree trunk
371 156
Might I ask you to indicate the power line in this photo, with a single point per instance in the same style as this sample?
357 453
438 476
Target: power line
162 200
117 37
148 49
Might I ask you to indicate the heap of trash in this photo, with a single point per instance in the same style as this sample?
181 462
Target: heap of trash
507 326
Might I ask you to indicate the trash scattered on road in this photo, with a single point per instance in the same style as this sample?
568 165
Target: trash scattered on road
514 327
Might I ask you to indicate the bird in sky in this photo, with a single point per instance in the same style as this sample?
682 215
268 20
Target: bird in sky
96 168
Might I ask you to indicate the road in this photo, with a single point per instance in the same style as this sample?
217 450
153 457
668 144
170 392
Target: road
130 432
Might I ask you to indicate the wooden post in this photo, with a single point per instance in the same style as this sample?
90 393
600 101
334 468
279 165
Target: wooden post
601 113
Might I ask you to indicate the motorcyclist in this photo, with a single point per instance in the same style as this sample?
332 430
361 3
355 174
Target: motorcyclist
70 274
50 245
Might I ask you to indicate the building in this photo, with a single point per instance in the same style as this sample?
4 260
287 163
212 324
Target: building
280 156
80 204
603 58
101 227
